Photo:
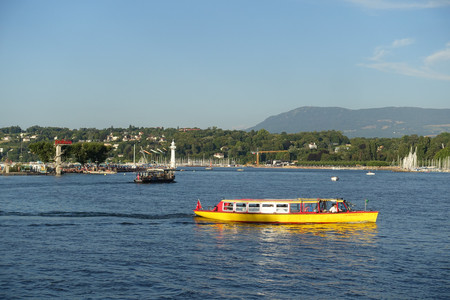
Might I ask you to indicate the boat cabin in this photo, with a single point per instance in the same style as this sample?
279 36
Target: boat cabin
288 206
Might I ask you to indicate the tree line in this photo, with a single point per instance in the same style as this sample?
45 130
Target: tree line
79 152
324 147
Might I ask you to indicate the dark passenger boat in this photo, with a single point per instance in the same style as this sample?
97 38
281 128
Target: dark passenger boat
155 176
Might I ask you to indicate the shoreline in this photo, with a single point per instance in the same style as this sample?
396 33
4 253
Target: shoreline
390 168
333 168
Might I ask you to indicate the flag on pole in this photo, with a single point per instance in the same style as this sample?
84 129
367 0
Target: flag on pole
199 205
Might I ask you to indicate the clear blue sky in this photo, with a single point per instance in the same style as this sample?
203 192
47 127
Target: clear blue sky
205 63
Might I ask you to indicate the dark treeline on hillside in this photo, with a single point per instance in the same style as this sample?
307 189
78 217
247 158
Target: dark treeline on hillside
236 146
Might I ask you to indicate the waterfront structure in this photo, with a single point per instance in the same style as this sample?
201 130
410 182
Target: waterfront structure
58 162
172 155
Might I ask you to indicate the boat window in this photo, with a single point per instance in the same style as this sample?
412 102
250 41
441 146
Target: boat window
326 205
342 207
268 208
309 207
253 207
282 208
228 206
240 207
295 207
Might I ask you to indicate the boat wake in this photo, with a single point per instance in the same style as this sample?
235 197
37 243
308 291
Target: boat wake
82 214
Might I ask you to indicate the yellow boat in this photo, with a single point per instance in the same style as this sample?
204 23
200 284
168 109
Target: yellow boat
287 211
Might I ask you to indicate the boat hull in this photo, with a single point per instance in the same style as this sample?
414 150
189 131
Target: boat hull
152 180
293 218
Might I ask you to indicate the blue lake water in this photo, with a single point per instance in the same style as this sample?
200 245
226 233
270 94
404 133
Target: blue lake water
104 237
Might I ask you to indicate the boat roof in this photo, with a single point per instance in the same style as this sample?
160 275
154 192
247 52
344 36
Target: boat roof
297 200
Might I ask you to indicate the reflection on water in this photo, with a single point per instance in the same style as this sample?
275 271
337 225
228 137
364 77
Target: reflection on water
310 257
358 232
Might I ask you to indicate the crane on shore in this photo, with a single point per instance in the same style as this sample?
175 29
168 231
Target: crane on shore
267 151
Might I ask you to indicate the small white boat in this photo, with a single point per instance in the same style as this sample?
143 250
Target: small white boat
334 178
370 173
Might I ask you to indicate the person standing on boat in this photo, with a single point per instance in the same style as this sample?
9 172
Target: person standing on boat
333 209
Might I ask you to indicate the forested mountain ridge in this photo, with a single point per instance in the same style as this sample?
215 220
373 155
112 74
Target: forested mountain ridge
384 122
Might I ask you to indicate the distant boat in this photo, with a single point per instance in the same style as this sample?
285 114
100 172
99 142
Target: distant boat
334 178
155 176
240 170
370 173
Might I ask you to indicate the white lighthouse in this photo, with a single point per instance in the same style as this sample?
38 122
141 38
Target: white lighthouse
172 155
58 160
